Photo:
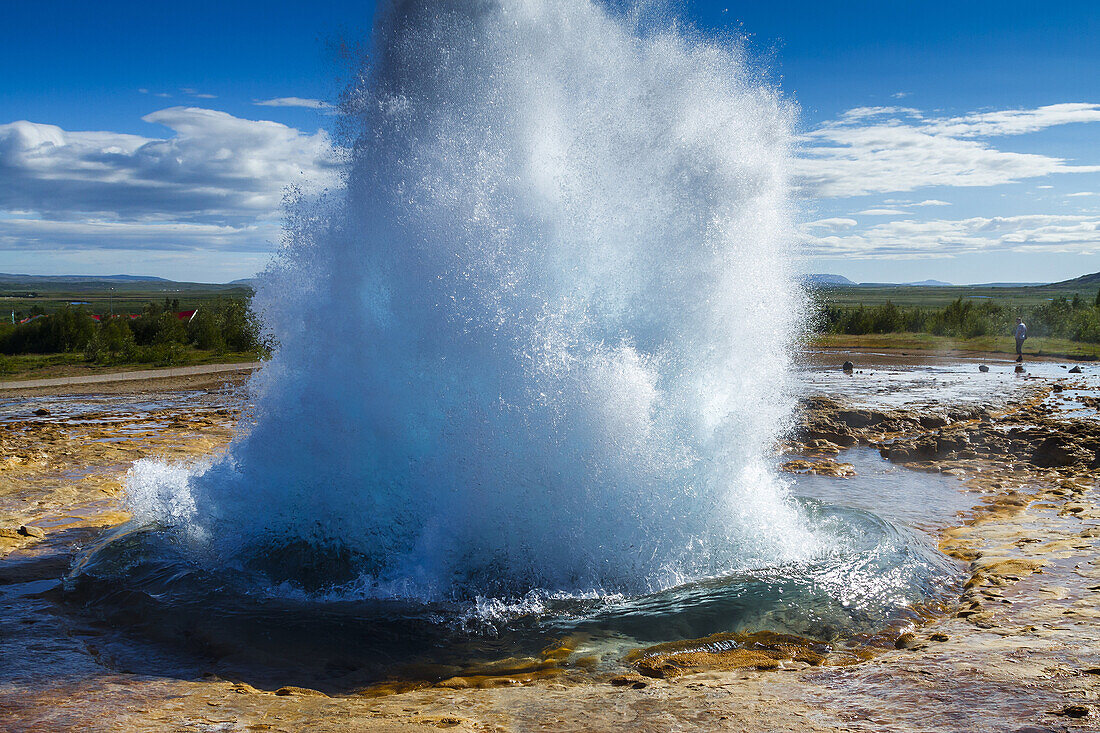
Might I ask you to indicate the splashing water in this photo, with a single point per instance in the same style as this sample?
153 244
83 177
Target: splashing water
541 341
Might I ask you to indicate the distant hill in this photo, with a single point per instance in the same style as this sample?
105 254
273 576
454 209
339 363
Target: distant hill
1008 285
830 279
930 284
103 283
826 279
6 277
1085 282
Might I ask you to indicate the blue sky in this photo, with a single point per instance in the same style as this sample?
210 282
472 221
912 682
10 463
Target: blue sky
955 141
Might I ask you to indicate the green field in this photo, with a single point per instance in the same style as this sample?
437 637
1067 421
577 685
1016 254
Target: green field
985 327
28 297
74 364
66 342
938 297
1046 347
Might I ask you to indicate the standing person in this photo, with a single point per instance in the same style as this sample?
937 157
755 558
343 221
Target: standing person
1021 336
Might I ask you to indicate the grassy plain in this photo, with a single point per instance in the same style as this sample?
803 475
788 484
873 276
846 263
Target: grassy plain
938 297
74 364
118 298
926 342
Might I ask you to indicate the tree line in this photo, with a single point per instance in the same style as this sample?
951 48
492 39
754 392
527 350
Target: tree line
158 335
1074 319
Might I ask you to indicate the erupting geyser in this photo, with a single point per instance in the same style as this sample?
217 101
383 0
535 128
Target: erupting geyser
540 341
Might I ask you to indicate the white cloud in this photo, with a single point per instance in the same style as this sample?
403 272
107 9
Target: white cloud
881 212
834 223
932 202
1083 193
1016 121
213 168
911 239
292 102
892 149
217 181
30 234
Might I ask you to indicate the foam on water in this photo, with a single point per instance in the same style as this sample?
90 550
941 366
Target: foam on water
540 340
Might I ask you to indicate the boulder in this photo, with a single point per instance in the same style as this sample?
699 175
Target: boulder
848 367
983 368
41 412
1075 370
291 690
898 454
952 442
860 418
931 422
907 640
1057 451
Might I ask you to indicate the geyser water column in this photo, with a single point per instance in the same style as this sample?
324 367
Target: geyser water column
540 342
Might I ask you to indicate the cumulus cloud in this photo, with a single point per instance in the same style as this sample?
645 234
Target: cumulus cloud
911 239
214 168
292 102
1016 121
893 149
833 223
33 234
215 182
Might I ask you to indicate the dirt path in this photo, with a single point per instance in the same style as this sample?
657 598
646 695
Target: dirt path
189 377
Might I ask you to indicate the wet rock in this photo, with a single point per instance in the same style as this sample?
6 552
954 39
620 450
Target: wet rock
926 449
35 532
761 651
832 432
939 637
1073 711
897 454
931 422
822 447
907 640
860 418
1075 370
823 467
848 367
983 368
299 691
1057 387
1057 451
41 412
455 683
635 681
952 442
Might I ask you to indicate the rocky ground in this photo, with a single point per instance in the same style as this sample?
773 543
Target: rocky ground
1020 651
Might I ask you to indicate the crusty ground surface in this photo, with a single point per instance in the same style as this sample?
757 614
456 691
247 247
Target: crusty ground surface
1020 652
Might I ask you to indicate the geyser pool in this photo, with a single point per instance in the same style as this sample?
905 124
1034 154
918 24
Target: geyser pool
531 357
